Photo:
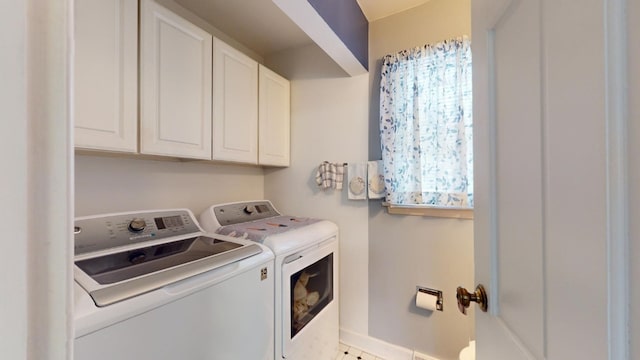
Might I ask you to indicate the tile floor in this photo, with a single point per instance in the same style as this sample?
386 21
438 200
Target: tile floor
350 353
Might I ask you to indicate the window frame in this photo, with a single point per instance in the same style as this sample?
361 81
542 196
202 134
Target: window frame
430 211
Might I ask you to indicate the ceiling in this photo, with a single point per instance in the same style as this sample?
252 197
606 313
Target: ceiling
378 9
258 24
261 26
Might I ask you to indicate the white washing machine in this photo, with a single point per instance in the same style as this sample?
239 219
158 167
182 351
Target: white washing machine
306 273
153 285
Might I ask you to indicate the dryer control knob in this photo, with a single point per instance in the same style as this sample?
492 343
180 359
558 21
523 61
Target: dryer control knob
137 225
249 209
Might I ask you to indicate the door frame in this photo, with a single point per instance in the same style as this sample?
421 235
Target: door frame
616 94
37 210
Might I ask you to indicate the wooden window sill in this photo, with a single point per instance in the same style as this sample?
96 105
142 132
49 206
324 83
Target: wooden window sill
455 213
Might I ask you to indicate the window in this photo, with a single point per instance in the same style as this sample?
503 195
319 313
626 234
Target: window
426 125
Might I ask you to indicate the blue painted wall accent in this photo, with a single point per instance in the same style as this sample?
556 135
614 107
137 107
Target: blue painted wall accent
348 22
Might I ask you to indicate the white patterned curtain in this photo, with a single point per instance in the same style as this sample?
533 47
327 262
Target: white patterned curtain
426 125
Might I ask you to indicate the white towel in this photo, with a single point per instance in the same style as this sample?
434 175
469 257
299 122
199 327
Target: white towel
375 179
330 175
357 174
339 176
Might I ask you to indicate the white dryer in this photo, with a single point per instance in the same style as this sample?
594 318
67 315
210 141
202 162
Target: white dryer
306 273
153 285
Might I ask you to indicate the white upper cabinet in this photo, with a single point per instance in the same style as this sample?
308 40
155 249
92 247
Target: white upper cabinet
273 115
250 110
175 85
182 71
235 94
106 75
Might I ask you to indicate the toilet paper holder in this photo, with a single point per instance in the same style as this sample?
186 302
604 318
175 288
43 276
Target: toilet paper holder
434 292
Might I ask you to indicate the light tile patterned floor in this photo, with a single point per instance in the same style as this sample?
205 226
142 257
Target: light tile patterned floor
350 353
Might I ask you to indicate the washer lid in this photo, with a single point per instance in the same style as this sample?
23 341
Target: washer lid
125 265
119 276
260 230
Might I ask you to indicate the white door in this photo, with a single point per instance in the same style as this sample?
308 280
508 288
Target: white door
273 118
309 293
175 85
235 110
546 130
106 75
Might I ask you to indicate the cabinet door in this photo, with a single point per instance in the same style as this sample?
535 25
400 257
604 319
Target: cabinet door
235 93
274 119
175 80
106 75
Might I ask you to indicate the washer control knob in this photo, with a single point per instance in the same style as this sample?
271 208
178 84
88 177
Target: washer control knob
249 209
137 225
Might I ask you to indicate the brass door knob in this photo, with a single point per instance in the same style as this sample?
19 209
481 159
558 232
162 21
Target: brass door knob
465 298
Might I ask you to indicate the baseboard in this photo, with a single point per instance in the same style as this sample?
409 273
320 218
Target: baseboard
378 347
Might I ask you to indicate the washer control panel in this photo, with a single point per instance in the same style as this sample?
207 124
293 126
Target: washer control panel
241 212
98 233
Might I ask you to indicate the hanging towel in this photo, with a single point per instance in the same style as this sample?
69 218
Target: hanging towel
321 175
338 170
375 179
357 174
330 175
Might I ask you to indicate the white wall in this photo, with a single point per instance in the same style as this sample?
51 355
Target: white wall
106 184
634 172
405 251
383 257
329 116
13 192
